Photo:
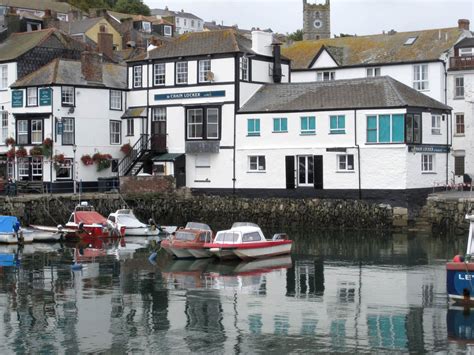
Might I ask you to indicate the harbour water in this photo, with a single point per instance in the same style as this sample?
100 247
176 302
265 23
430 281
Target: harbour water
337 292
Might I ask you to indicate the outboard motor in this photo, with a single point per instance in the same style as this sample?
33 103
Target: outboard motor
153 224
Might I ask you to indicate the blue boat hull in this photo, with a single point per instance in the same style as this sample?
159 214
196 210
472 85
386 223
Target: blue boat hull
460 280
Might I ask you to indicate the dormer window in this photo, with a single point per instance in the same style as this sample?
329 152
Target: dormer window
410 41
146 26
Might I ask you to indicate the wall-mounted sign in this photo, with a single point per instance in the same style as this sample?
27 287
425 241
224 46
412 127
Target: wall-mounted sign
17 98
45 97
428 149
338 150
190 95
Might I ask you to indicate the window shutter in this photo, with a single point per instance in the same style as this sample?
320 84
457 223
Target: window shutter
318 172
290 171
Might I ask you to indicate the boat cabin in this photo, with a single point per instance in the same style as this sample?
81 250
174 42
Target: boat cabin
125 217
194 232
241 233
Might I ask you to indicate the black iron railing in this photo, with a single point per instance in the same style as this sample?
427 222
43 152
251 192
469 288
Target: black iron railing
142 146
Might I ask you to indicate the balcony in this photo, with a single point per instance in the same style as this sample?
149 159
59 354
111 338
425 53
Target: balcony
460 63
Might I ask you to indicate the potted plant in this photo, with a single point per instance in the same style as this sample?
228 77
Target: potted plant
21 152
11 154
10 141
126 148
87 160
36 151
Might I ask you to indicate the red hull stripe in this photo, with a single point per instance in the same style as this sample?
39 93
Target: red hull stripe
248 245
460 266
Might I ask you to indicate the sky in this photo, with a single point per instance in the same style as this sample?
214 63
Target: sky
359 17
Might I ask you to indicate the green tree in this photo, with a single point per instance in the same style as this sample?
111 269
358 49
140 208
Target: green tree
295 36
136 7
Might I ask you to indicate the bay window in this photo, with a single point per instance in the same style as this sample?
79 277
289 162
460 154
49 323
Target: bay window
203 123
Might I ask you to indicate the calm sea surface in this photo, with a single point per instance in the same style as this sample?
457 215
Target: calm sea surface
337 292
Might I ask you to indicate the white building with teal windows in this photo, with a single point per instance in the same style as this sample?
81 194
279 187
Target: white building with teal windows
373 137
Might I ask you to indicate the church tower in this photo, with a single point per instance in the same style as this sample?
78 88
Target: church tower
316 20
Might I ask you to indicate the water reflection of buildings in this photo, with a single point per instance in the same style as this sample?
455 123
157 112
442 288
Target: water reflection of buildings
337 294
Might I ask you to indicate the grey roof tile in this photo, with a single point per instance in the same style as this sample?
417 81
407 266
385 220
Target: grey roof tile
378 92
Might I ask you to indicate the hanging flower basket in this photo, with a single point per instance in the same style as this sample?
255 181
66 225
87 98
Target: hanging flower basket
87 160
59 159
10 141
11 154
47 147
48 142
36 151
103 161
21 152
126 148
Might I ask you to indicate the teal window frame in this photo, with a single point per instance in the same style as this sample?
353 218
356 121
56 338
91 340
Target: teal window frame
253 127
280 125
308 125
337 124
385 128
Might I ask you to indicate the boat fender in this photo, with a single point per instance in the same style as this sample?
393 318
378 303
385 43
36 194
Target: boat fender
458 259
76 266
81 226
153 257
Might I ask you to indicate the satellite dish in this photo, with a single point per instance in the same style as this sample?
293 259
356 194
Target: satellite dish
210 76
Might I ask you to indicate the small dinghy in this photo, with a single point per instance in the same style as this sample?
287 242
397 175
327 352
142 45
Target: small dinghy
125 218
48 234
188 242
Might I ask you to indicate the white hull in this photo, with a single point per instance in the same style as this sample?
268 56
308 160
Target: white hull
263 252
181 253
141 232
10 238
223 253
43 236
459 298
200 253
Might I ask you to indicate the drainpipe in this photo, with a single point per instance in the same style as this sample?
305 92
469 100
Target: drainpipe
358 154
448 120
54 143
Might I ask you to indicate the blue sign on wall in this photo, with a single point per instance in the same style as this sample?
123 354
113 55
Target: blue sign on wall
189 95
17 98
45 97
428 149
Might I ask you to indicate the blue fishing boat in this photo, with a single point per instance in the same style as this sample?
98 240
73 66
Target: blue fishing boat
11 232
460 272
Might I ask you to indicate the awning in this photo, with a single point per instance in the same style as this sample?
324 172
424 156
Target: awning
167 157
135 112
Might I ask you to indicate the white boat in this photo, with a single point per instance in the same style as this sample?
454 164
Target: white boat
46 234
12 233
246 241
133 227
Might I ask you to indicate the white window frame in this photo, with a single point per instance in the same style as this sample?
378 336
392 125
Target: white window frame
195 124
23 167
137 76
204 69
466 52
436 124
209 123
67 96
458 125
343 162
22 132
36 130
4 77
373 72
32 96
36 167
458 89
328 75
158 114
421 77
307 171
130 127
168 31
257 163
115 132
181 73
116 100
68 136
146 26
66 166
428 163
159 74
4 126
244 69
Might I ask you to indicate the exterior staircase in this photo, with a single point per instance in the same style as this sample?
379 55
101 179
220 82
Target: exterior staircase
132 163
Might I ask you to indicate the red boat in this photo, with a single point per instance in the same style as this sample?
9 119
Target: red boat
86 221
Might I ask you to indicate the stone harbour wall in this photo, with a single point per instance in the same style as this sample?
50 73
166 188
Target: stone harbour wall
218 211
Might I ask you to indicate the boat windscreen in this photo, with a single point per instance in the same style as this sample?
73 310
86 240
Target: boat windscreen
129 221
199 226
244 224
180 235
227 237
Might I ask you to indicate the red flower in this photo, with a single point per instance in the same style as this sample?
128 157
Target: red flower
21 152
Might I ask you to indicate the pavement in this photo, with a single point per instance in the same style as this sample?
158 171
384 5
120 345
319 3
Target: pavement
453 195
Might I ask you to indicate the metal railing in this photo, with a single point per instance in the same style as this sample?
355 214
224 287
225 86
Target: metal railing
142 145
462 62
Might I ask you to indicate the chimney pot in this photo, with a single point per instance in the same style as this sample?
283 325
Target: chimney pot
105 43
463 24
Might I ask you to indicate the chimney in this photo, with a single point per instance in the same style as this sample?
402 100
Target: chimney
262 43
91 66
277 72
47 13
105 44
463 24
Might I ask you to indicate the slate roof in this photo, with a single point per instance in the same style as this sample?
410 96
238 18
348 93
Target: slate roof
80 26
202 43
169 13
62 7
20 43
376 92
465 43
68 72
376 49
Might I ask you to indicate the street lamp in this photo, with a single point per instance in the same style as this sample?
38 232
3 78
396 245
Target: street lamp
74 148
